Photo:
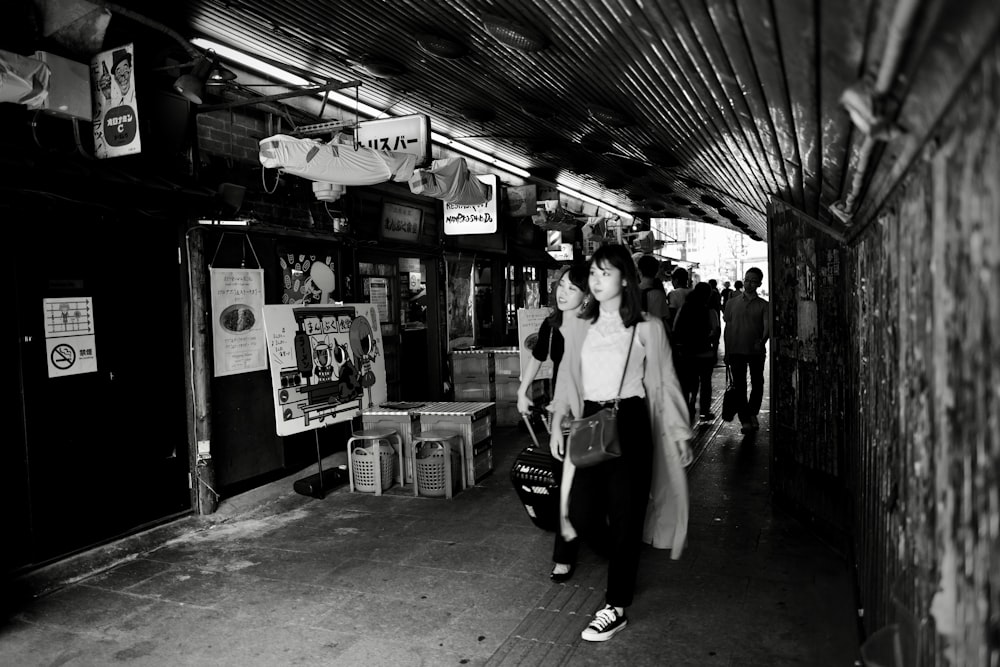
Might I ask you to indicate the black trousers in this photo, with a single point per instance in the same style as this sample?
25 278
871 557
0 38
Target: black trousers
739 364
607 504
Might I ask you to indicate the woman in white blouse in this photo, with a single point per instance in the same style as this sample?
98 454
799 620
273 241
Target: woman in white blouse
611 505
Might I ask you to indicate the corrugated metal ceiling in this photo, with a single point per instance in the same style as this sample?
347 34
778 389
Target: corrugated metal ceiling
703 109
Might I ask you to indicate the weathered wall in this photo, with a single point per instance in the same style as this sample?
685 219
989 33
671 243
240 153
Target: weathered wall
923 290
808 367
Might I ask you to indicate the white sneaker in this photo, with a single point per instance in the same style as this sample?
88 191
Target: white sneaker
607 622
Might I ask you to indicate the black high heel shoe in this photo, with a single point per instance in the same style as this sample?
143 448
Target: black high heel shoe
564 576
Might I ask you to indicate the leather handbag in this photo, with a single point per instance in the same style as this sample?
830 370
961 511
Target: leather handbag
594 439
730 399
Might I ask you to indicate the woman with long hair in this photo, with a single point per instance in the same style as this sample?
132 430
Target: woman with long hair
572 294
613 344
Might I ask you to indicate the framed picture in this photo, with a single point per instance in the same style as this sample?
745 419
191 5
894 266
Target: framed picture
401 223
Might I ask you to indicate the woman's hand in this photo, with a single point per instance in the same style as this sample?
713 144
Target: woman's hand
557 445
684 449
523 403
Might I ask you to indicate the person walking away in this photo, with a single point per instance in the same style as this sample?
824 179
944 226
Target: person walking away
676 296
696 343
747 330
610 504
727 292
714 298
653 296
572 293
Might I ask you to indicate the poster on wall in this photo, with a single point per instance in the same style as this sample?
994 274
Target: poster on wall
237 324
308 277
522 200
116 114
70 336
528 322
326 363
377 291
460 303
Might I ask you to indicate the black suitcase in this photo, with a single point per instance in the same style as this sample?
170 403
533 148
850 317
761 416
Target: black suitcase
535 476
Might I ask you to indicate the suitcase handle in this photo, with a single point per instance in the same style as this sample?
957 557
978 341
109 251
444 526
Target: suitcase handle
531 430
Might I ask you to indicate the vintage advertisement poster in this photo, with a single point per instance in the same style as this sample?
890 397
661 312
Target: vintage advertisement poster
528 322
116 114
237 326
326 363
70 336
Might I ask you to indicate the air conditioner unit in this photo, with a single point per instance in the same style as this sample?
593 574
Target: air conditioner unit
69 87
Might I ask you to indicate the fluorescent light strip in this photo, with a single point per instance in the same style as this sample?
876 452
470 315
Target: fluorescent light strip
587 198
350 104
477 154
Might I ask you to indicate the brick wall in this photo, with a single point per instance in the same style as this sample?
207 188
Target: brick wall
227 149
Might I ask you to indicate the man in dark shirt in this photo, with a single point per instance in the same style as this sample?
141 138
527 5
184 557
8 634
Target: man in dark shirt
727 292
747 330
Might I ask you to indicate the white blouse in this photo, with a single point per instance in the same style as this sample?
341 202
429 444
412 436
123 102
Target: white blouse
603 358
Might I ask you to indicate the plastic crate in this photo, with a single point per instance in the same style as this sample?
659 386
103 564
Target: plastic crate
363 466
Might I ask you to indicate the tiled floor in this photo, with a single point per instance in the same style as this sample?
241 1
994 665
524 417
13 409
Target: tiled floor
354 579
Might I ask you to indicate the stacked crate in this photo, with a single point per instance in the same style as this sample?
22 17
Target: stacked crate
473 373
473 420
507 363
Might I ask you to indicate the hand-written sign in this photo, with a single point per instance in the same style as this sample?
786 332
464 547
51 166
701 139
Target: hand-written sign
477 219
400 222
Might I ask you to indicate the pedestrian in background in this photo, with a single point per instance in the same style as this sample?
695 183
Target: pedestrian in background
696 344
747 331
727 292
676 296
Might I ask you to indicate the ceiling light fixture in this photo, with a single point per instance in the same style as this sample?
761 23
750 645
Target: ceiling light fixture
513 34
441 47
370 112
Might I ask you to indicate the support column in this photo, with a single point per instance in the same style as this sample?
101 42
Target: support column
204 499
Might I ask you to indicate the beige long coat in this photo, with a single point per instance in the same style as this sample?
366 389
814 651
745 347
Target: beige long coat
667 512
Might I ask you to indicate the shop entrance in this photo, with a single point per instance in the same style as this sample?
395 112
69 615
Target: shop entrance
405 291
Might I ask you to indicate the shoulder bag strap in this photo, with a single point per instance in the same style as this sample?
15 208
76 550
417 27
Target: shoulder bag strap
624 370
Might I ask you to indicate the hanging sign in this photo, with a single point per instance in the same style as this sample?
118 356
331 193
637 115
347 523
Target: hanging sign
116 117
70 338
476 219
402 134
237 320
